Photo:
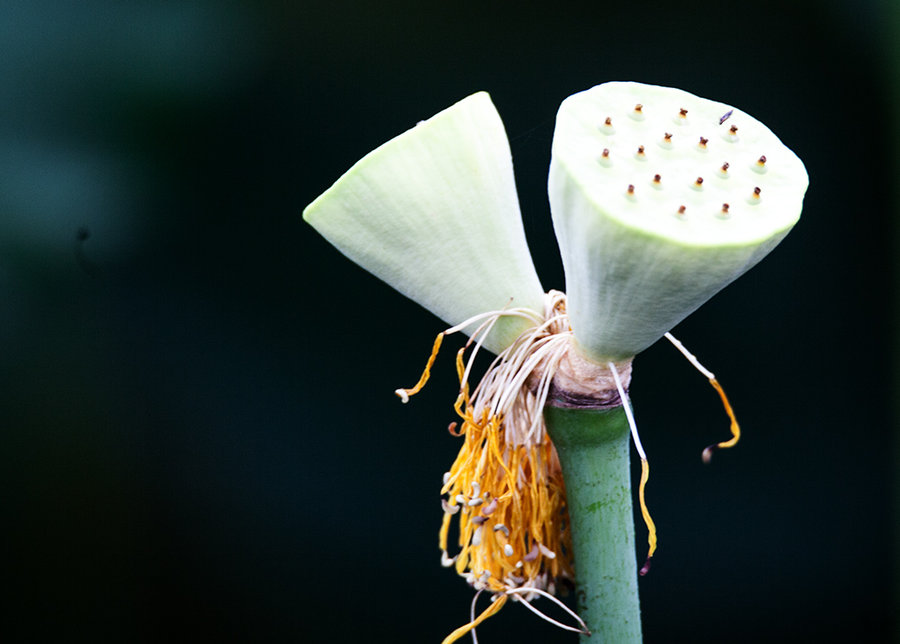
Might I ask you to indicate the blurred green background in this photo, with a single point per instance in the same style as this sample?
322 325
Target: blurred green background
199 438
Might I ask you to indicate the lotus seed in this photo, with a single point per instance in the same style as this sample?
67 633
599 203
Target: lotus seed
760 165
731 135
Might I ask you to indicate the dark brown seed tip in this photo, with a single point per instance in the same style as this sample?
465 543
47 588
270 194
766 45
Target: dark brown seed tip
645 568
667 137
703 142
608 121
725 166
756 191
656 178
725 208
640 149
699 181
733 129
682 112
681 210
605 152
630 189
762 160
638 108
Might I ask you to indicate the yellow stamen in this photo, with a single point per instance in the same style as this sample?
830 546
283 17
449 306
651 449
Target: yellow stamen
490 611
404 394
645 467
651 527
735 428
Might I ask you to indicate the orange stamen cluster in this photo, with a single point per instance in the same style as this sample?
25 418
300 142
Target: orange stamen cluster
510 502
505 487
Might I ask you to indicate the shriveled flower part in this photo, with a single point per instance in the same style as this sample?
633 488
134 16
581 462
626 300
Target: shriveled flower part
505 489
659 200
435 214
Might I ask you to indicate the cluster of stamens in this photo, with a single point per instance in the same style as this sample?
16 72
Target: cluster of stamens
505 487
510 540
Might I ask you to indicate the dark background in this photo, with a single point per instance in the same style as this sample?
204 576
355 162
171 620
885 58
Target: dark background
199 438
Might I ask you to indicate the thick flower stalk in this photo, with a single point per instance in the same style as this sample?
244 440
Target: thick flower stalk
659 199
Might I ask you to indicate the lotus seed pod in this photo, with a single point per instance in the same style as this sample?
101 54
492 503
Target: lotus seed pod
435 214
659 200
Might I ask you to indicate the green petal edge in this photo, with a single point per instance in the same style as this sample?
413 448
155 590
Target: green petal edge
435 214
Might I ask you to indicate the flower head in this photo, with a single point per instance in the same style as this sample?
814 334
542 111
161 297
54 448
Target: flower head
659 199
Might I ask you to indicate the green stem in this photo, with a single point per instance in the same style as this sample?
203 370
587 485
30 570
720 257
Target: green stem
593 448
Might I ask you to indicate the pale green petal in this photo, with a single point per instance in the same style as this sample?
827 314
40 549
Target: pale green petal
640 254
434 213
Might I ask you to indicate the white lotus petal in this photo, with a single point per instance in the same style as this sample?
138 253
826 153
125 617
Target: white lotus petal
643 242
434 213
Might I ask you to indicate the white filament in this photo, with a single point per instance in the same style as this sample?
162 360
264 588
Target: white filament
690 356
543 593
627 405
